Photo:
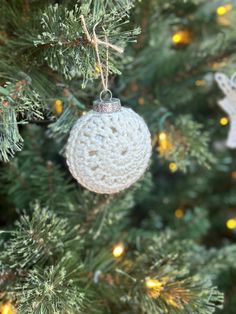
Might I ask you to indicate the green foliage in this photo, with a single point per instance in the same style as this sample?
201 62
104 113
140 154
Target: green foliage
11 140
175 290
68 50
18 102
205 301
216 262
34 253
36 239
194 223
50 290
36 176
53 34
61 127
187 144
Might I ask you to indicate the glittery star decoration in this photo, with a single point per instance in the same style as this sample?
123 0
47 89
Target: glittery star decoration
228 103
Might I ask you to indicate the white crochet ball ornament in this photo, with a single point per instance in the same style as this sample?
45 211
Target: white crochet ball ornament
108 148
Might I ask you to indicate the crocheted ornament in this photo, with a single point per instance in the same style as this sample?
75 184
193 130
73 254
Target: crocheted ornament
108 148
228 104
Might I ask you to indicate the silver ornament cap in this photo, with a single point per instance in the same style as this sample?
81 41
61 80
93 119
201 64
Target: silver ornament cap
106 104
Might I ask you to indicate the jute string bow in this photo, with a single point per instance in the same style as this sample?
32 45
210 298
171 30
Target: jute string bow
96 42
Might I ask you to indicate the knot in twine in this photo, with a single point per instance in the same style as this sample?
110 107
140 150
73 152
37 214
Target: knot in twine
95 41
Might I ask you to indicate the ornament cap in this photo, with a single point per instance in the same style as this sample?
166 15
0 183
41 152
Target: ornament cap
107 106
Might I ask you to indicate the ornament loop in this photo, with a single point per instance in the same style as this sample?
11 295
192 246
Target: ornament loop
104 93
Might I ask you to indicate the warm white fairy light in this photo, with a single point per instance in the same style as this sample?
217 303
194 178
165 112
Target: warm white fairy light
118 250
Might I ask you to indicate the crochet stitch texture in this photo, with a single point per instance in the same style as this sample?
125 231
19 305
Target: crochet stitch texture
108 152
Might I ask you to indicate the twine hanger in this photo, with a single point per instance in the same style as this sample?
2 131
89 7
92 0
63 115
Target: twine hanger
96 42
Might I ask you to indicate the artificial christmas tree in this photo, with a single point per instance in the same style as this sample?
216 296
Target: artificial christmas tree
166 244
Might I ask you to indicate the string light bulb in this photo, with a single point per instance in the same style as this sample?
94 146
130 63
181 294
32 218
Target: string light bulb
153 283
118 250
233 175
58 106
231 223
162 136
179 213
155 286
224 121
173 166
141 101
182 37
217 65
200 82
172 302
164 143
223 9
7 308
97 68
